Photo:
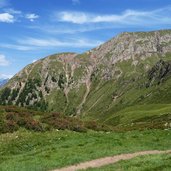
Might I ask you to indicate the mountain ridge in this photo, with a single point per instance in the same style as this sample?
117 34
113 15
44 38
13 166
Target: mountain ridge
99 82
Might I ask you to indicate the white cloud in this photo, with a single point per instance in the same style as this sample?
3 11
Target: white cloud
75 2
5 76
39 42
29 43
17 47
6 18
34 60
3 60
63 28
73 17
82 18
71 22
128 17
11 15
32 17
12 11
80 42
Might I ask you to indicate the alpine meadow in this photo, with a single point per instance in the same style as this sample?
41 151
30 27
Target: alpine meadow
98 94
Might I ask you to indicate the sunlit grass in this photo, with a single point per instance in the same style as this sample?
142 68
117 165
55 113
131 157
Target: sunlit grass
24 150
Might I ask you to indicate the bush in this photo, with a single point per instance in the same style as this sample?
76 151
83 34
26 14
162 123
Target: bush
93 125
11 126
33 125
61 122
13 117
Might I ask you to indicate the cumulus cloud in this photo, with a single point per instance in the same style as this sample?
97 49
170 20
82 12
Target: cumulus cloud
3 60
6 18
32 17
11 15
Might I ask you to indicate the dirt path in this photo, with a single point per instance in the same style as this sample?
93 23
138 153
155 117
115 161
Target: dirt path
109 160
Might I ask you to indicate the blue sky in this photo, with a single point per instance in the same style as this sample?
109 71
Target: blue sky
32 29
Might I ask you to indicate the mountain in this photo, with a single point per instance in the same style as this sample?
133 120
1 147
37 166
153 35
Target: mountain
3 82
125 80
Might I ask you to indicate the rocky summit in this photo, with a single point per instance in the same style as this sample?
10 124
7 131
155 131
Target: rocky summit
129 70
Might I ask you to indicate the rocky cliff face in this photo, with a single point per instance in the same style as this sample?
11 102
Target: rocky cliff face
97 82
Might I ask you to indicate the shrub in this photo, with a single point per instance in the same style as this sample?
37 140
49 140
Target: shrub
33 125
11 126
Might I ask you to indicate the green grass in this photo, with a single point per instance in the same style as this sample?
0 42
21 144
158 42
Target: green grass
160 162
98 101
57 101
134 100
27 151
75 97
35 71
133 113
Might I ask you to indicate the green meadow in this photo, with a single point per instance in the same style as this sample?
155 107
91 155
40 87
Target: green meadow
40 151
160 162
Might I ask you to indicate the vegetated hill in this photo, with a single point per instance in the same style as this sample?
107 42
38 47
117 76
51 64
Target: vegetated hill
115 83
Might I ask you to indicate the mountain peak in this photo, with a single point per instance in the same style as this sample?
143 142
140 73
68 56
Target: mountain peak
73 83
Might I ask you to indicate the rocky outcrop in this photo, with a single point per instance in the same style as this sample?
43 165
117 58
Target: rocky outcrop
160 71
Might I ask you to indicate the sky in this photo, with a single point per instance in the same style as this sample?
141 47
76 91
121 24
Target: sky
33 29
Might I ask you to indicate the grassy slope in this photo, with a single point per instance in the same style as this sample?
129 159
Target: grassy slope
109 99
130 89
26 151
137 112
133 98
160 162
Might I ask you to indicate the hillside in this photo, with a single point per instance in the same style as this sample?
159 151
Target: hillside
14 119
129 73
